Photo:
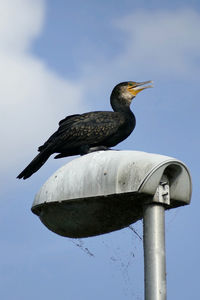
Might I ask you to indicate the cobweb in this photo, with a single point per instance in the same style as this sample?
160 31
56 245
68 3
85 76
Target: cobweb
121 250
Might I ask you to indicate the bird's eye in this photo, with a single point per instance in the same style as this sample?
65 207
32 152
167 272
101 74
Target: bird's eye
130 84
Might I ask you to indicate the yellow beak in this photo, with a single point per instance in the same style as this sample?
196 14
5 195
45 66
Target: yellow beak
139 86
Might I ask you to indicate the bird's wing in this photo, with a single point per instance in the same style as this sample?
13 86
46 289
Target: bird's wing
88 128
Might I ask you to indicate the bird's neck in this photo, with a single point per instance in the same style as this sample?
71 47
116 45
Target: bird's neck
119 104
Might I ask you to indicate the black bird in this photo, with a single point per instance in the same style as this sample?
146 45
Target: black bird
92 131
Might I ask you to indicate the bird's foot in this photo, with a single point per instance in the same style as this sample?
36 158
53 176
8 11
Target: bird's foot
98 148
86 149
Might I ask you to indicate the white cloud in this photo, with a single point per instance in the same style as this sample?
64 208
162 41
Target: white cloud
32 96
20 22
161 42
156 45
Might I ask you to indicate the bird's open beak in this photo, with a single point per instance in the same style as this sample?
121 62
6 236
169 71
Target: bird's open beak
140 86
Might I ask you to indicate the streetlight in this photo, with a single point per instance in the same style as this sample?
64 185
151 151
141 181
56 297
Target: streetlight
109 190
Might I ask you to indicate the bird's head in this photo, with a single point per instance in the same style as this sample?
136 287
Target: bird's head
124 92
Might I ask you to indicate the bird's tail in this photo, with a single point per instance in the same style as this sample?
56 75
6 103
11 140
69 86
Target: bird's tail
35 164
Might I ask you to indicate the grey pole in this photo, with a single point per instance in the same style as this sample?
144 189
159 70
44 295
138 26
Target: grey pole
154 244
154 252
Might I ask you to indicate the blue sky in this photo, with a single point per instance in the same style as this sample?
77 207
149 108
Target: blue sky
63 57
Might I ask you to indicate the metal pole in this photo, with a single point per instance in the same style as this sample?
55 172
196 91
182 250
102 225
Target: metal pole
154 252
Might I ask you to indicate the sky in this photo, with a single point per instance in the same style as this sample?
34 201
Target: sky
63 57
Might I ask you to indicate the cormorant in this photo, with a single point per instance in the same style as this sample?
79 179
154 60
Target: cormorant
92 131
